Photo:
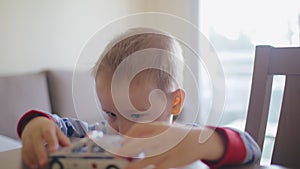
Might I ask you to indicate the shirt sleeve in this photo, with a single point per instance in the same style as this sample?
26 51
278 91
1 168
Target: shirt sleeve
240 149
70 127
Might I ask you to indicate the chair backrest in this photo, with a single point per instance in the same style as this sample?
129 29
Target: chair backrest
270 61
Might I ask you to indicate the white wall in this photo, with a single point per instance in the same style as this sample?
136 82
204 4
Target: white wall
38 34
35 35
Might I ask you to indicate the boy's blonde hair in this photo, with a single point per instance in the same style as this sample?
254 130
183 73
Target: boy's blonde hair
138 39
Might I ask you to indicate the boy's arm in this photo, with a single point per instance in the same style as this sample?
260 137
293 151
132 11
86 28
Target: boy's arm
70 127
240 148
223 148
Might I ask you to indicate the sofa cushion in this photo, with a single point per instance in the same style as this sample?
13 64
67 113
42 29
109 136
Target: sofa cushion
18 94
73 97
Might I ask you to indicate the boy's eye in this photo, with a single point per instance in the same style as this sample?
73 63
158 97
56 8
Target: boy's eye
111 114
136 116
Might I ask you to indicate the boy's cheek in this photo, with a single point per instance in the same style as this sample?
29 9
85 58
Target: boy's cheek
112 128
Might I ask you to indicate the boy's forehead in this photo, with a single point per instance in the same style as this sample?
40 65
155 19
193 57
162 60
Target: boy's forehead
144 78
103 79
140 86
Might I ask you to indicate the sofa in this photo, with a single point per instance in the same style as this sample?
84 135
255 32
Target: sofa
64 92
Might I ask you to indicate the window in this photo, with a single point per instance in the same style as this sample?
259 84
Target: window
234 28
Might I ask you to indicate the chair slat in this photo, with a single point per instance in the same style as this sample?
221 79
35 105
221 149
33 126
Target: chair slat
284 61
271 61
286 147
260 96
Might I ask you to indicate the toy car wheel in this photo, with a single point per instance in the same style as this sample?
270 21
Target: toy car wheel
55 164
112 167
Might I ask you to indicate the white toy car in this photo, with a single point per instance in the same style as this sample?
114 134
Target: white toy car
89 153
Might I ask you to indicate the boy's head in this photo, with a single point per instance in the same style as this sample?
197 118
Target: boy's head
131 69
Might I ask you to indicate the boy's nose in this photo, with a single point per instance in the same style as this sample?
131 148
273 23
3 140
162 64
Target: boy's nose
124 126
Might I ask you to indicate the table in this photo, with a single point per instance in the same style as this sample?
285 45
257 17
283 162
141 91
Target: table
12 160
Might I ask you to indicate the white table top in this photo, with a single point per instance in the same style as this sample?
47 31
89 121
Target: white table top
7 143
12 160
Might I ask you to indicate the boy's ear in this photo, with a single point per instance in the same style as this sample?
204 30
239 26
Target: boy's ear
178 100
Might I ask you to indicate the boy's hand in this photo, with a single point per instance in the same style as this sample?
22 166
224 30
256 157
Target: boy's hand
36 134
168 146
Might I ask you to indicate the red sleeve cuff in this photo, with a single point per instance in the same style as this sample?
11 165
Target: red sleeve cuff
27 117
235 152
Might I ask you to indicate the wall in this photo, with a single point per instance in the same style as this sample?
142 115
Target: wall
50 34
36 35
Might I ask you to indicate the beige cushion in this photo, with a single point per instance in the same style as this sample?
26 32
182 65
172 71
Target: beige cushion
73 97
18 94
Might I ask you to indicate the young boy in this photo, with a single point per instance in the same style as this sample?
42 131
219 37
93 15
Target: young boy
138 79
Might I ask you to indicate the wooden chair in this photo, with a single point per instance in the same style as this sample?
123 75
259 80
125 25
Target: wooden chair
270 61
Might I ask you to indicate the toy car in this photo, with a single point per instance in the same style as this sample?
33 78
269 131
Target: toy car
89 153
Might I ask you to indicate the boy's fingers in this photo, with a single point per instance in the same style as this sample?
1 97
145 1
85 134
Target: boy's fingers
50 137
41 153
29 157
26 158
63 140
